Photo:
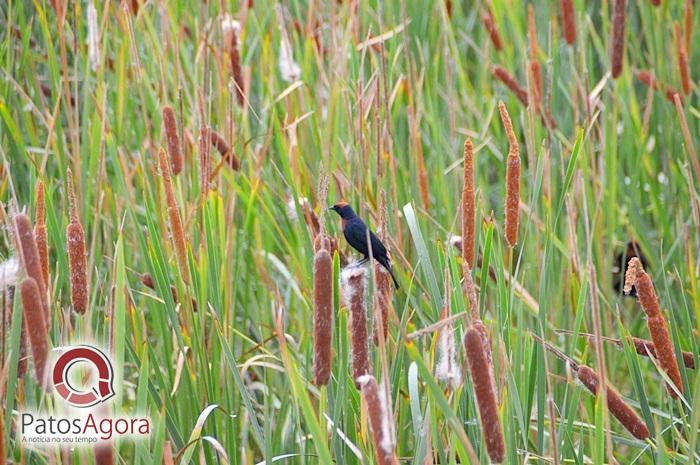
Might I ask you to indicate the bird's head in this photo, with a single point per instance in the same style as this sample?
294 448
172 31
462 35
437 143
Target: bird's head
343 209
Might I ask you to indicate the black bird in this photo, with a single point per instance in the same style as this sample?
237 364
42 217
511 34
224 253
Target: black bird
355 232
620 266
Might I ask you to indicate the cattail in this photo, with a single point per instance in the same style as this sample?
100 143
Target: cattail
30 257
204 161
147 280
173 140
354 283
385 287
534 65
682 60
224 150
688 14
289 69
510 82
36 327
568 22
512 179
230 29
616 405
617 46
9 274
637 277
485 394
447 368
647 348
176 229
648 79
168 453
323 311
490 25
380 421
93 36
104 453
468 204
76 253
42 242
656 2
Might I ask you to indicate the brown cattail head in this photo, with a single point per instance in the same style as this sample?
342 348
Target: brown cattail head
506 78
683 69
224 149
617 38
77 263
656 2
385 289
231 29
36 328
512 179
176 228
173 140
40 232
380 421
30 257
637 277
568 21
490 26
485 394
468 204
354 284
648 79
616 405
534 65
323 311
647 348
688 14
104 453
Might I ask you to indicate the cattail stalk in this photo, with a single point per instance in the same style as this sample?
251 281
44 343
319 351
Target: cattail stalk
176 229
485 395
42 242
534 65
617 46
658 329
354 285
512 179
173 140
490 26
568 21
510 82
468 204
30 257
36 328
688 14
380 421
683 69
224 149
77 262
323 311
616 405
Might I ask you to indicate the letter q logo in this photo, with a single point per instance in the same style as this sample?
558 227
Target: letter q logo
99 392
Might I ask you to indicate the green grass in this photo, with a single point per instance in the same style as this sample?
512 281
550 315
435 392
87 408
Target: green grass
230 383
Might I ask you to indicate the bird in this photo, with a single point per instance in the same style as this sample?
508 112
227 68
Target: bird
355 232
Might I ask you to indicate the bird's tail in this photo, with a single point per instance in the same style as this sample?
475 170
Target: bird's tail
387 265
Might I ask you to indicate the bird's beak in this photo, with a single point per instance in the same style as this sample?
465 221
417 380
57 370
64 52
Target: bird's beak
332 207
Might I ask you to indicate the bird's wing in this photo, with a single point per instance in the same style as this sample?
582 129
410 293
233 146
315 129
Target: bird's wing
355 233
378 249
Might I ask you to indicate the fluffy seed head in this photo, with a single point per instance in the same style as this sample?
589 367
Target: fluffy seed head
380 421
354 283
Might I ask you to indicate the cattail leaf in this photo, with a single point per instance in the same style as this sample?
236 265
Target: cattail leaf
424 258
